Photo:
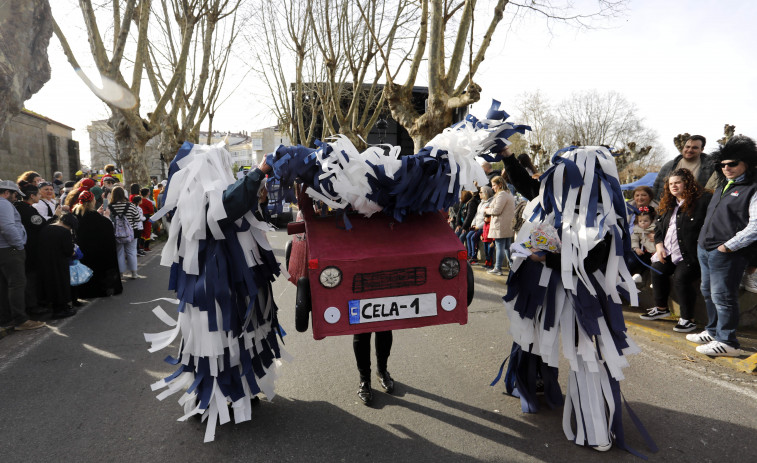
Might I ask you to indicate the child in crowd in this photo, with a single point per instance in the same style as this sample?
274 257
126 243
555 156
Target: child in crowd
642 241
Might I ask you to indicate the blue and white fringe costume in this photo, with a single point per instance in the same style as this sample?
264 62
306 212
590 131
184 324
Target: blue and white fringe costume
337 174
222 267
572 308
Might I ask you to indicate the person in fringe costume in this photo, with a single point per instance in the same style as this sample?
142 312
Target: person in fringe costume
570 300
222 267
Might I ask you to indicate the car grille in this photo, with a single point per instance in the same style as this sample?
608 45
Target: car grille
388 279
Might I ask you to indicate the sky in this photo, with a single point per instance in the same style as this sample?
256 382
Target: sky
687 65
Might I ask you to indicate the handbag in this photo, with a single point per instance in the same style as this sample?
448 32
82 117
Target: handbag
80 273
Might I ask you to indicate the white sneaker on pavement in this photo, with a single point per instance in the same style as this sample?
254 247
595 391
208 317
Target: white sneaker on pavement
719 349
700 338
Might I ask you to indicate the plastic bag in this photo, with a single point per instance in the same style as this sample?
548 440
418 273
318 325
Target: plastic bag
80 273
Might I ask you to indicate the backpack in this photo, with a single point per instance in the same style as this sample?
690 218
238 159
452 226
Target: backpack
123 231
518 218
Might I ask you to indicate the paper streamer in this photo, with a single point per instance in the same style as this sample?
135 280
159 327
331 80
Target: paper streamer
221 270
575 310
379 179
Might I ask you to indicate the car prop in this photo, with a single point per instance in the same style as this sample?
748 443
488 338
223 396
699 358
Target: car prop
403 267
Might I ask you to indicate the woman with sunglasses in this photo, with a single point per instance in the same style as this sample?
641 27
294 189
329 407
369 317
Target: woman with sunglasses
681 214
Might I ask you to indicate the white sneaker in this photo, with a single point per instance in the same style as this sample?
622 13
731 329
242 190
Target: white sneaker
700 338
637 279
719 349
750 282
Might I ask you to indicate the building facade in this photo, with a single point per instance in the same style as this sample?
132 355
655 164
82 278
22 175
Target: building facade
35 142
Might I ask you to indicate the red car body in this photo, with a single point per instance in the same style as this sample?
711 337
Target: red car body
391 273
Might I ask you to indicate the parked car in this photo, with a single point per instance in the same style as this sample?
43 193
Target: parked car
381 274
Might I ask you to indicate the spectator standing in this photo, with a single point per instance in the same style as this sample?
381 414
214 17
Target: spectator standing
46 206
30 177
148 209
58 183
33 223
459 219
692 157
121 209
490 173
97 241
12 262
727 244
681 214
56 244
136 200
110 169
471 210
502 211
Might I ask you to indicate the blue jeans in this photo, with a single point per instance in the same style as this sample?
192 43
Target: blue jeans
471 242
503 250
721 274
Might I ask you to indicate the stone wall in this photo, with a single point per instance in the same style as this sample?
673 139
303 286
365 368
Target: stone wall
23 146
32 142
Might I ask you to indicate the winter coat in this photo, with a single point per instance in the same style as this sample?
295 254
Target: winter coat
502 211
640 239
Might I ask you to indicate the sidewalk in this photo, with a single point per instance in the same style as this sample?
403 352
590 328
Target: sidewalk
663 331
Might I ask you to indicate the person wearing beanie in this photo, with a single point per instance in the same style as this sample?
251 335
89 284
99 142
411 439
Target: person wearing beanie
727 243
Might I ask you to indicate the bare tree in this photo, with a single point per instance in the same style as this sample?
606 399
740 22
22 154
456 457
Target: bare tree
333 83
445 36
134 26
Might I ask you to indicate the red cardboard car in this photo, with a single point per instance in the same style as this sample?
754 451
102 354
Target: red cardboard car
380 275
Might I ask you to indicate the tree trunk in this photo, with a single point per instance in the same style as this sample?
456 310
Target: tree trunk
130 150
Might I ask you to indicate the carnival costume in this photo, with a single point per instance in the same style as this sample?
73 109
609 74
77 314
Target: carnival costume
573 299
222 267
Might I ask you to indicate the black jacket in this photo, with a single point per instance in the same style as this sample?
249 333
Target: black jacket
520 178
470 212
33 222
687 226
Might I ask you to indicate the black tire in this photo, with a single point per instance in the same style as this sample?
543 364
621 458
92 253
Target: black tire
471 283
288 252
302 305
283 219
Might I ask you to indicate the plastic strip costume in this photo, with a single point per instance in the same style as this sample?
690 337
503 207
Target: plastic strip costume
378 179
575 306
222 267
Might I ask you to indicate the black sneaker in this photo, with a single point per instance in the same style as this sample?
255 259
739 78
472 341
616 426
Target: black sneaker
685 327
365 393
654 313
386 381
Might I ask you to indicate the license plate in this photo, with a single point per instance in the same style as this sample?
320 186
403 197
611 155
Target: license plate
392 308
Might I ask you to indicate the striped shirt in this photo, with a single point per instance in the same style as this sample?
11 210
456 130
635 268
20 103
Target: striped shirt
127 209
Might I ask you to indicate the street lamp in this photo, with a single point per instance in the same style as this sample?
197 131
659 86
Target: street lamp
381 126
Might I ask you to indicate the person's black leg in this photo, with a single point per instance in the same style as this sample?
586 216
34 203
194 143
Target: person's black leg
361 344
383 350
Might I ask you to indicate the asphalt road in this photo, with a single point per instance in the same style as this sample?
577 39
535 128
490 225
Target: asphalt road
80 391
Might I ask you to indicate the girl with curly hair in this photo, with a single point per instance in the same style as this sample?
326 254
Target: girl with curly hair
681 214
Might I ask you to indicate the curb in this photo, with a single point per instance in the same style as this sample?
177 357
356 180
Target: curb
747 365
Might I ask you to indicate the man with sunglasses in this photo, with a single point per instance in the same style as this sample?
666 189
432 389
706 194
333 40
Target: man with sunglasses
727 243
692 157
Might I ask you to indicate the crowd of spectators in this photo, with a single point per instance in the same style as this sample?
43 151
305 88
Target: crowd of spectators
45 227
694 231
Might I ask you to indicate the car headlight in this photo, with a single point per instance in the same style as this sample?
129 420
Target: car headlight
330 277
449 268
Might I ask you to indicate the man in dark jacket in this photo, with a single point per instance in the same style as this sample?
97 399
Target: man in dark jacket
33 222
726 244
693 158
